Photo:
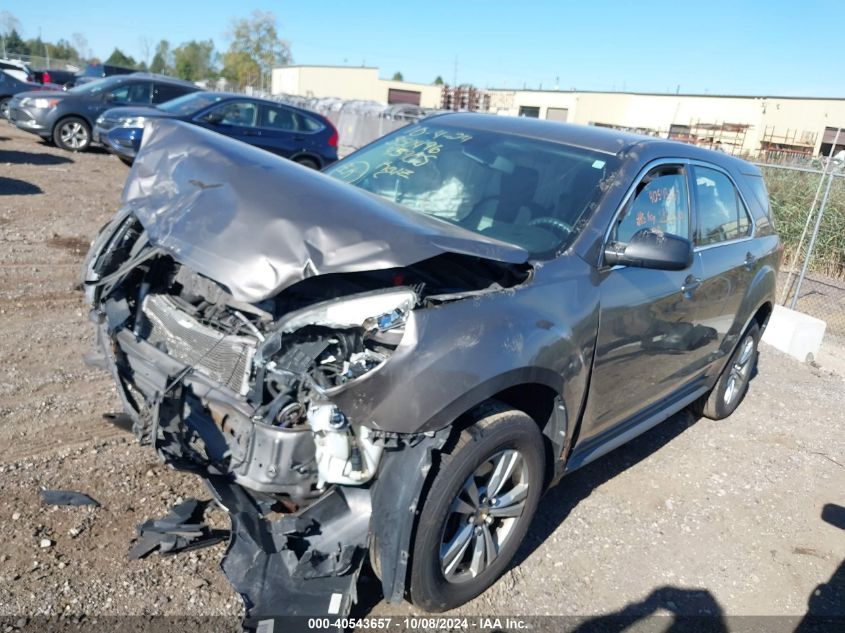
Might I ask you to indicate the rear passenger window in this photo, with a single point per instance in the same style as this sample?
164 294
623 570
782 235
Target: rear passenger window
276 118
132 93
720 212
166 92
661 202
307 124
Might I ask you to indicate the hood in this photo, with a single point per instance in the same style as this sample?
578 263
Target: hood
135 111
257 223
40 93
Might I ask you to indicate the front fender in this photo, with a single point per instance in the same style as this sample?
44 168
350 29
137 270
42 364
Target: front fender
456 355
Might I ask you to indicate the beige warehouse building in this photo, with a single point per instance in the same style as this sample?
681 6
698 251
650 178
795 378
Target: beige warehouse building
748 125
354 83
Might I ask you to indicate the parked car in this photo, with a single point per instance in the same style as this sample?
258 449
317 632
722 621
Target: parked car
92 72
64 78
66 117
303 136
17 69
11 86
401 353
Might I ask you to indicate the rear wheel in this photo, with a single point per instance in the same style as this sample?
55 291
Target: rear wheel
72 134
4 107
307 162
732 385
478 509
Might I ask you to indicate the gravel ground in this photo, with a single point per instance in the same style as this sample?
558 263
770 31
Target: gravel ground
694 517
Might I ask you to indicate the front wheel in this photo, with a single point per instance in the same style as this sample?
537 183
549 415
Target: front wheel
4 107
478 508
72 134
732 385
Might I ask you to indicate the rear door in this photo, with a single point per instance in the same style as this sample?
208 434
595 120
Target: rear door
647 320
281 131
726 253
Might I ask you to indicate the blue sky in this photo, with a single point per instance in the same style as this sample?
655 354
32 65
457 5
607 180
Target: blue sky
770 47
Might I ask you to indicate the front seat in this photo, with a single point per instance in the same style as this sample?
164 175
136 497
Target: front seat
516 192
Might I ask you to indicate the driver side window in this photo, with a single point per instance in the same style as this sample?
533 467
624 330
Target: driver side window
661 201
236 113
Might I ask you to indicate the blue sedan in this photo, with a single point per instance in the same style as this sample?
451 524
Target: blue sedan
305 137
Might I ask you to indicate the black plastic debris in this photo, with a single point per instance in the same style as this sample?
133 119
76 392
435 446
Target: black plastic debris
180 530
67 498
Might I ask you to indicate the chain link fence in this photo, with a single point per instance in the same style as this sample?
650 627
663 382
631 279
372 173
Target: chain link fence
808 203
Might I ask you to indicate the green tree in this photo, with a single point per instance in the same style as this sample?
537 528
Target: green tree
438 81
63 49
256 36
119 58
240 68
14 43
193 60
162 60
397 76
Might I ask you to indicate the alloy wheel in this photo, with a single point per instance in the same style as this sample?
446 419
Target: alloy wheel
740 371
483 515
74 135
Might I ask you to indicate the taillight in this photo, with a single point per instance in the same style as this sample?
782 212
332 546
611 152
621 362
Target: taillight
334 137
45 78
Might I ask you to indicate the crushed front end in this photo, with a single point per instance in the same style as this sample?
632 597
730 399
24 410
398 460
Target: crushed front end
244 394
262 323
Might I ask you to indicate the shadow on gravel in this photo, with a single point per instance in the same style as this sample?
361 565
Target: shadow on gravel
691 609
15 187
29 158
558 502
826 604
5 138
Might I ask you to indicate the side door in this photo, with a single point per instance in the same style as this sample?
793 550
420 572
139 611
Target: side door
727 257
647 320
236 119
280 131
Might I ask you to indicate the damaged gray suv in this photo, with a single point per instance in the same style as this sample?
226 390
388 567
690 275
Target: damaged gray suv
394 358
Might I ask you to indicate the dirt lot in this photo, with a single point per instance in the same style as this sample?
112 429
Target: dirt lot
694 517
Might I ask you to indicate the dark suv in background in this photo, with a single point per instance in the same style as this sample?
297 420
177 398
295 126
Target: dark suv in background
303 136
67 116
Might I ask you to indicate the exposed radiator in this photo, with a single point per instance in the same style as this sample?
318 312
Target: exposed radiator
226 361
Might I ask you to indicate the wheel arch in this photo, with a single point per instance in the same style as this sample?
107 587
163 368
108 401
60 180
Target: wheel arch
71 115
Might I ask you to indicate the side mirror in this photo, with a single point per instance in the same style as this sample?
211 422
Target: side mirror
651 248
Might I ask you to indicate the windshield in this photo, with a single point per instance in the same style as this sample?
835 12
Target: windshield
190 103
531 193
93 87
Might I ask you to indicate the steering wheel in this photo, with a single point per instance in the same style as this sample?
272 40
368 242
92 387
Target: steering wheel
549 222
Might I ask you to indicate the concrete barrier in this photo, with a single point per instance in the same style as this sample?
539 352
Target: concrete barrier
795 333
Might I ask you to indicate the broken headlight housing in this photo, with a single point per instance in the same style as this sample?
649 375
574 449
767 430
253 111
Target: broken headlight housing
317 350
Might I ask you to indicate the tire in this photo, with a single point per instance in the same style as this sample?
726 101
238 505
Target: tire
445 572
72 134
4 108
307 162
732 385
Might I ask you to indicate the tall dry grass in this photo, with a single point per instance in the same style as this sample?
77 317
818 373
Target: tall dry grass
791 194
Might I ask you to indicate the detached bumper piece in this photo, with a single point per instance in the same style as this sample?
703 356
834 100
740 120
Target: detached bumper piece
181 530
298 566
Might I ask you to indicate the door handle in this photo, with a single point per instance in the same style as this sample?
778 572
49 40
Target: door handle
690 284
252 133
750 260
